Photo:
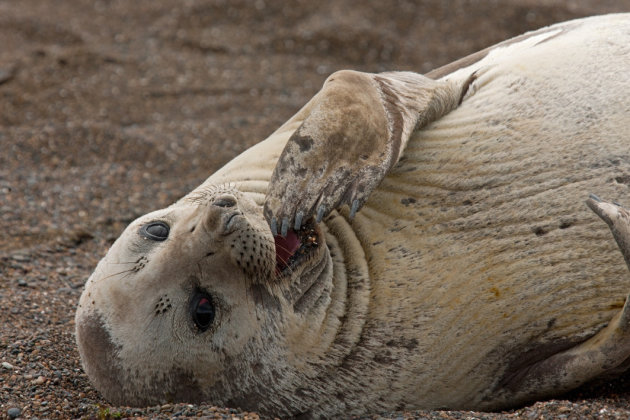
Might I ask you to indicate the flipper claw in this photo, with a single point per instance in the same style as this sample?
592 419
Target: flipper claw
274 226
285 227
298 220
353 210
320 213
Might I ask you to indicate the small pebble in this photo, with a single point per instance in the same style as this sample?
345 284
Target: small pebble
21 258
7 365
6 74
13 412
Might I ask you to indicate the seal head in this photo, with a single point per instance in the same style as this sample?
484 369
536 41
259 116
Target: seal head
181 302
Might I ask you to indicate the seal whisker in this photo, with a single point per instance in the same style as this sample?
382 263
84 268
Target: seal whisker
124 262
283 248
204 193
284 260
287 268
119 273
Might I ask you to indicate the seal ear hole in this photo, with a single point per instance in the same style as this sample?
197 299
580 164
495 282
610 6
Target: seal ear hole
156 231
202 310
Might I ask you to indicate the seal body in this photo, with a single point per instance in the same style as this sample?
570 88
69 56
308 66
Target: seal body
473 276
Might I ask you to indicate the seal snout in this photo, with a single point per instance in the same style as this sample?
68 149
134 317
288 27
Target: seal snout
221 214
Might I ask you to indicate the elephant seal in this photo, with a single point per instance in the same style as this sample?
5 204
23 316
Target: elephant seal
402 242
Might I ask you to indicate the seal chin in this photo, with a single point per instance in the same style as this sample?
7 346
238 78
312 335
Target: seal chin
99 355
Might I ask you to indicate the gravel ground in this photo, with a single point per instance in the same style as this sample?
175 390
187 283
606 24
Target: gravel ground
110 109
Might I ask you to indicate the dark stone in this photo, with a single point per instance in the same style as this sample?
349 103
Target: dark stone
14 412
6 75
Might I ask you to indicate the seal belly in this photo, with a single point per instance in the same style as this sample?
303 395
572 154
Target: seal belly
484 244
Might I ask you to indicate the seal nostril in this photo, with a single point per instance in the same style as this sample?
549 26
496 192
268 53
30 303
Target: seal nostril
225 201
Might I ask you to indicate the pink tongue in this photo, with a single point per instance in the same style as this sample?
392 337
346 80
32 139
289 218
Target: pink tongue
285 248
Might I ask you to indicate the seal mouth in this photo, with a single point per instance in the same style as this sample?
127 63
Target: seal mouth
296 247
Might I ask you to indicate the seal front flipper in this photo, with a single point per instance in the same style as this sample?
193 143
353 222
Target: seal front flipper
354 131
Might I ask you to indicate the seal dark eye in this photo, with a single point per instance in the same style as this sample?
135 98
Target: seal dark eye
156 231
202 311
